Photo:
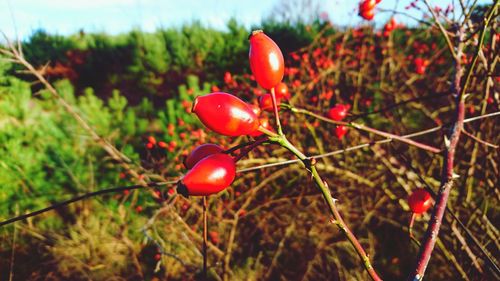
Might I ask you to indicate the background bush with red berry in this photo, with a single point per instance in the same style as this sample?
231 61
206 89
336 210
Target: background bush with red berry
136 90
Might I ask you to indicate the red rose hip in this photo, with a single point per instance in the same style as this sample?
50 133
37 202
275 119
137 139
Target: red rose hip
338 112
225 114
210 175
201 152
420 201
266 60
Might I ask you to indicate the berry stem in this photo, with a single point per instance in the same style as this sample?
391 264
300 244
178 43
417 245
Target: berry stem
276 114
331 202
205 237
410 229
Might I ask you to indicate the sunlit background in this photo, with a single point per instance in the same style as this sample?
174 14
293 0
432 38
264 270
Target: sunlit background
22 17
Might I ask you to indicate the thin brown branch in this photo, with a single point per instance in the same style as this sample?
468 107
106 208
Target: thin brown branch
368 129
479 140
451 48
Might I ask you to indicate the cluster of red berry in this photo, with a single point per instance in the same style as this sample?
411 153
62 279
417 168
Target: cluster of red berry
366 8
210 169
152 143
389 27
420 65
338 113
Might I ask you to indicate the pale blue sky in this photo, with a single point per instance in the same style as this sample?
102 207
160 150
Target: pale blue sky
115 16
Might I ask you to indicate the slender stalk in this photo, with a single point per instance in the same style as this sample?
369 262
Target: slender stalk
78 198
451 48
410 229
309 163
367 129
331 202
205 237
276 114
359 146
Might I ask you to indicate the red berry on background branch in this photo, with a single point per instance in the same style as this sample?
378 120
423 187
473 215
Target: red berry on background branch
340 131
225 114
389 27
266 102
266 60
420 65
420 201
210 175
201 152
152 140
366 8
338 112
281 91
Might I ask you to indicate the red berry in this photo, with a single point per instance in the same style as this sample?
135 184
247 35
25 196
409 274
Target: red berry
201 152
338 112
281 91
367 5
367 14
266 102
420 201
152 140
225 114
340 131
214 237
266 60
420 65
149 145
162 144
157 257
172 144
210 175
242 213
228 77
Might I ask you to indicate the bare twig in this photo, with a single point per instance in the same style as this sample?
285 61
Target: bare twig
78 198
368 129
360 146
442 29
479 140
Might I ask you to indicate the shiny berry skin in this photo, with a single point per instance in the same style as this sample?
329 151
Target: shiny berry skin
340 131
420 201
338 112
201 152
281 91
256 110
367 14
266 60
225 114
367 5
420 65
210 175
